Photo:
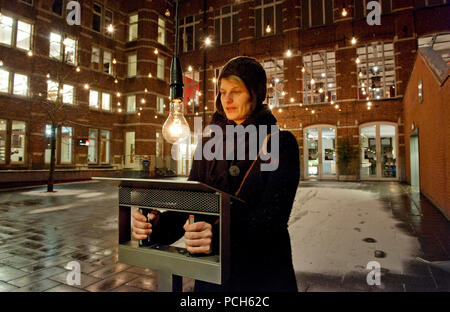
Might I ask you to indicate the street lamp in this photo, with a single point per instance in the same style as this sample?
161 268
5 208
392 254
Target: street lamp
176 128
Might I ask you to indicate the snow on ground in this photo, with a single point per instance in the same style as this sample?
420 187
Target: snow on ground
327 227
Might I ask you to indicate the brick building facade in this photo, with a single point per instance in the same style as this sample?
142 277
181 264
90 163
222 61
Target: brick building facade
322 85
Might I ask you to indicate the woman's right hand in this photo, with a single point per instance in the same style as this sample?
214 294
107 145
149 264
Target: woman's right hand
141 226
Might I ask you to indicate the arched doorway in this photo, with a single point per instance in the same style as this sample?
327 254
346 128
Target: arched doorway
320 152
379 151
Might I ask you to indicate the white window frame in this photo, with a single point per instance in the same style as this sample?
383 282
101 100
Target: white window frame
95 139
365 75
263 6
162 30
104 54
310 94
69 139
108 147
14 84
62 53
65 91
131 106
24 133
182 33
221 17
14 29
132 65
131 25
161 68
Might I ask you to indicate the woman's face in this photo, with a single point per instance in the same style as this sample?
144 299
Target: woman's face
235 100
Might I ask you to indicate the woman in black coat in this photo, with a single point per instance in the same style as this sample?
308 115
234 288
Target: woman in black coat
260 248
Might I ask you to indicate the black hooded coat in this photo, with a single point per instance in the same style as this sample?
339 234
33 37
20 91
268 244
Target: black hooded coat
260 251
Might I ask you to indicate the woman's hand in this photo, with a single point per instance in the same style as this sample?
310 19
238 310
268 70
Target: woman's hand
198 237
141 227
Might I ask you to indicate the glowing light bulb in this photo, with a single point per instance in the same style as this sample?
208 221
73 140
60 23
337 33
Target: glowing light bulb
320 90
86 86
1 63
303 69
30 53
190 68
336 106
149 75
175 128
358 60
280 110
313 81
114 61
268 28
119 94
167 13
292 100
119 110
110 28
208 41
353 40
156 51
313 112
283 93
288 53
344 12
214 80
116 81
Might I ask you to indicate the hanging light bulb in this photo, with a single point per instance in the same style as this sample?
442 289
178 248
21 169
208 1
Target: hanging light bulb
1 63
167 13
30 53
116 81
344 10
280 110
288 53
156 51
313 81
292 100
78 69
268 28
303 69
353 40
358 60
114 61
214 80
176 127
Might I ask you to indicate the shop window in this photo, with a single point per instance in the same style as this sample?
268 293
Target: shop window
105 141
189 33
226 25
317 13
66 145
376 71
93 146
268 12
161 31
161 68
132 65
3 124
133 24
319 76
18 139
131 104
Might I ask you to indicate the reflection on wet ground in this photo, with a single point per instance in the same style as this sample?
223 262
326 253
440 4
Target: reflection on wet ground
40 233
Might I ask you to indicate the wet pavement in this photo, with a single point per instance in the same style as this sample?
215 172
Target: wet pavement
40 233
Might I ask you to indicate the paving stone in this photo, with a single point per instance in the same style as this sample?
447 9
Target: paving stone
110 270
48 262
17 262
64 288
4 287
85 280
145 282
38 286
142 271
112 282
37 276
85 267
8 273
125 288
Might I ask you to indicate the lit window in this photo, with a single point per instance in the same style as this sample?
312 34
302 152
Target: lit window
376 71
18 138
226 25
92 149
6 29
191 91
70 47
68 94
52 90
319 77
55 46
107 62
161 31
2 141
23 35
48 140
161 68
20 85
66 145
108 21
131 103
95 58
132 65
93 99
275 81
4 81
105 146
268 13
159 105
133 27
106 101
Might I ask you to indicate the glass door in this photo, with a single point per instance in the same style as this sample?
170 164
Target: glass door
378 152
320 154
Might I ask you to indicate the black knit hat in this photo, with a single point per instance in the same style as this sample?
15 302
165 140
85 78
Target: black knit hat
252 74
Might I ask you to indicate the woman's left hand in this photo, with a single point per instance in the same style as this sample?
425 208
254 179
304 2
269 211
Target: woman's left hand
198 237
